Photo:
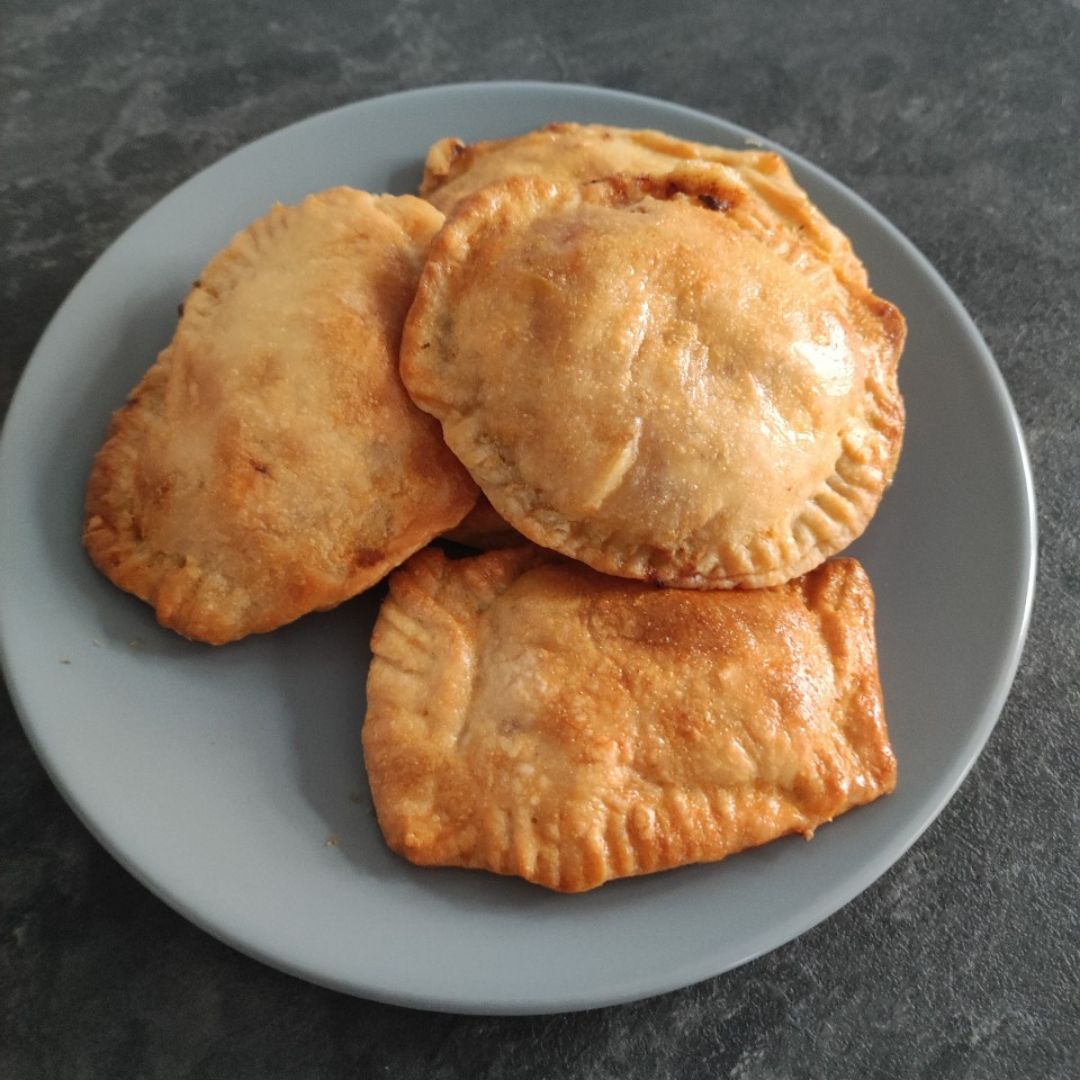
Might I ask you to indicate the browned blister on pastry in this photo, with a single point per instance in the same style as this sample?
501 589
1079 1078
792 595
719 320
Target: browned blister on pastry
652 376
529 716
270 463
454 170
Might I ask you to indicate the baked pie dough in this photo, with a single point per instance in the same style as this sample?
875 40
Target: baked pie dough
529 716
652 376
270 463
579 152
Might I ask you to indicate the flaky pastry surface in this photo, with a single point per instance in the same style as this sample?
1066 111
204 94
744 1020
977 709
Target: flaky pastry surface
649 375
270 462
529 716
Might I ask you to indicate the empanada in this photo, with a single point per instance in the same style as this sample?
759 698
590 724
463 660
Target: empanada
270 463
529 716
646 374
455 170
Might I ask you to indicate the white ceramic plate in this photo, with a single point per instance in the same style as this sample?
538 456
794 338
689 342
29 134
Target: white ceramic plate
217 776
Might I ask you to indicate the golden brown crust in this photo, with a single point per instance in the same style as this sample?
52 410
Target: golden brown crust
270 463
648 374
580 152
529 716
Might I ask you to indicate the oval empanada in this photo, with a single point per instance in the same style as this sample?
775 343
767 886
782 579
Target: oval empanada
455 170
270 463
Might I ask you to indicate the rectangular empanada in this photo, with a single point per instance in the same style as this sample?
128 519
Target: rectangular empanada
530 716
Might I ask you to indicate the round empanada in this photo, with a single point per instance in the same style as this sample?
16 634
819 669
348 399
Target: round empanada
270 462
652 376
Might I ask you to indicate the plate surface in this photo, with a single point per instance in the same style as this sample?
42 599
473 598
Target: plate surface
230 781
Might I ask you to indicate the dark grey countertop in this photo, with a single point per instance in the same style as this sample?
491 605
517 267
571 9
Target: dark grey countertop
961 122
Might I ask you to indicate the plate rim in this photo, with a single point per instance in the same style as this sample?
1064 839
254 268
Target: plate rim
647 985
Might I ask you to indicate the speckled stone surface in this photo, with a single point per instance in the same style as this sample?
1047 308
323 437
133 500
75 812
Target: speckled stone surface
961 122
